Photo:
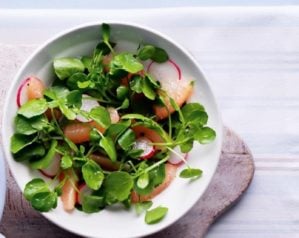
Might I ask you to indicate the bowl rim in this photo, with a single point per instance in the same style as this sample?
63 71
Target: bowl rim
125 24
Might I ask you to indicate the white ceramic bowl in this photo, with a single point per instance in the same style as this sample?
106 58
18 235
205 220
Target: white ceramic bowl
182 194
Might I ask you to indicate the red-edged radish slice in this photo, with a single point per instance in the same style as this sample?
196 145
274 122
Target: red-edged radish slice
176 157
53 168
114 116
143 143
30 88
167 70
87 105
83 190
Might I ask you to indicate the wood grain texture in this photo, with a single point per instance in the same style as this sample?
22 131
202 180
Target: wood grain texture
233 176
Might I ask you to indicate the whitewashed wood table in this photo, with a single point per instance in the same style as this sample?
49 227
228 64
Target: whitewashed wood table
250 57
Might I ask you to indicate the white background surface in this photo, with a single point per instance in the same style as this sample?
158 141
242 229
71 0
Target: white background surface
250 56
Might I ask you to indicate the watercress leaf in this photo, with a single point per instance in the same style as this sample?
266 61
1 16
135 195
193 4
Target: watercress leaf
45 161
125 104
195 113
140 207
87 61
155 84
147 189
23 126
115 130
118 185
160 55
186 146
143 181
92 203
67 112
134 153
205 135
191 173
105 32
125 61
147 89
66 67
39 122
94 135
74 81
101 116
66 162
18 142
127 139
108 145
103 48
92 175
35 186
155 215
74 98
122 92
158 174
44 201
33 108
33 151
136 84
146 52
56 92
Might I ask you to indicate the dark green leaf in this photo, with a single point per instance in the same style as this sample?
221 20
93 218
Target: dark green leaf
118 185
108 145
92 174
191 173
74 98
23 126
125 104
125 61
92 203
136 83
45 161
146 52
115 130
44 202
31 152
33 108
73 81
105 32
155 215
158 175
101 116
205 135
87 62
18 142
160 55
134 153
147 89
35 186
66 162
122 92
127 139
66 67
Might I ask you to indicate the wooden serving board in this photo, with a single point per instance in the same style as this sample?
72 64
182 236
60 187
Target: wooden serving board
232 178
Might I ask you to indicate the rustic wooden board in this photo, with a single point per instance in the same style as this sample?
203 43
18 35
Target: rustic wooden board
232 178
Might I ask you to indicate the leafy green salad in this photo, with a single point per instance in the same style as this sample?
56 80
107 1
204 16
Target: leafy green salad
113 127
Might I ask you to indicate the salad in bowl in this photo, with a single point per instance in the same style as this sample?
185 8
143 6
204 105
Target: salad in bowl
110 129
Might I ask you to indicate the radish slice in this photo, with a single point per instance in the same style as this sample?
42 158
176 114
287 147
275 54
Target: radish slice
22 93
175 159
143 143
165 71
83 190
87 105
53 168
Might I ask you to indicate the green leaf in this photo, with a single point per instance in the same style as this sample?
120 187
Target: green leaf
191 173
66 162
105 32
69 113
101 116
148 89
155 215
23 126
45 161
108 145
31 152
160 55
122 92
56 93
135 153
35 186
143 180
74 98
125 61
92 174
158 174
195 113
118 185
66 67
87 61
125 104
33 108
127 139
76 79
92 203
18 142
44 202
146 52
140 207
115 130
136 83
205 135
